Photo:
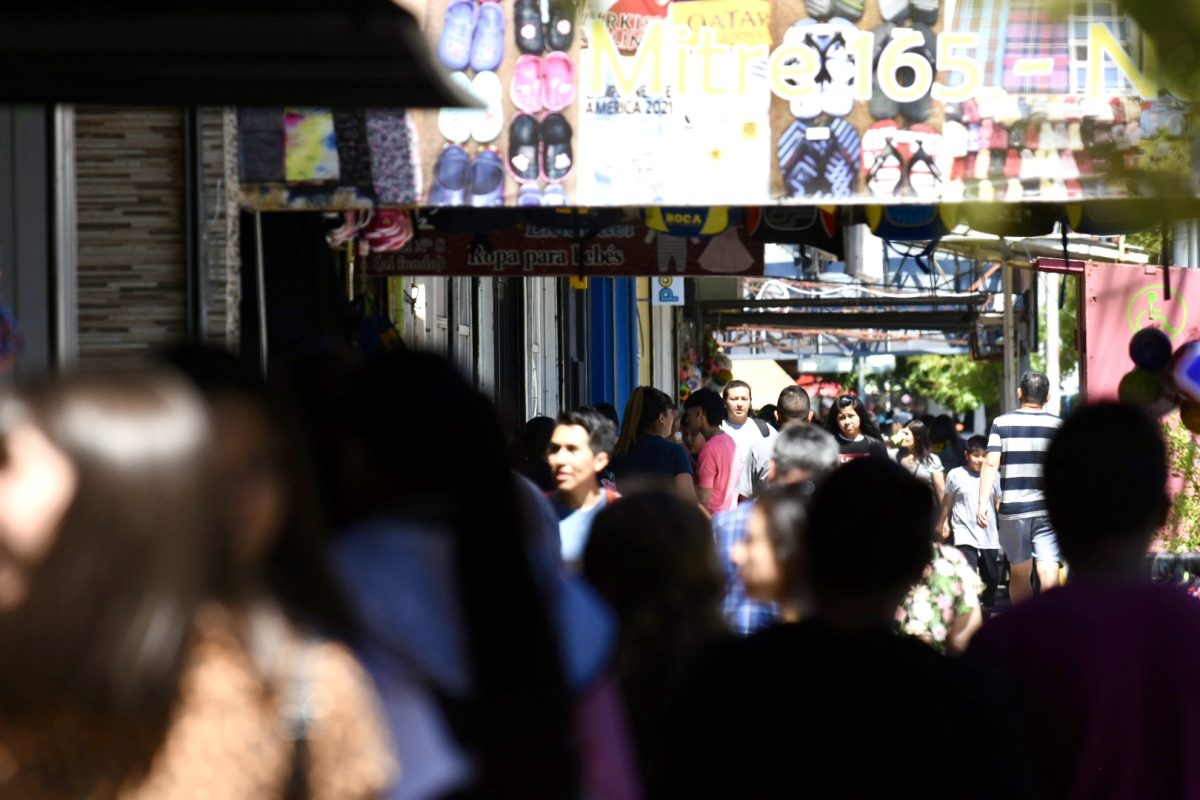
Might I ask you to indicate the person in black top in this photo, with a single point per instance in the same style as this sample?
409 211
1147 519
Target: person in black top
644 453
840 705
855 428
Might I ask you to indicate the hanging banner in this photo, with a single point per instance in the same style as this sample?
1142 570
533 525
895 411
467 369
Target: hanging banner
531 250
749 102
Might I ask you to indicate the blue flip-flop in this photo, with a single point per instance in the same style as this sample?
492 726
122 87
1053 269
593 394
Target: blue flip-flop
487 179
824 165
487 45
458 30
451 173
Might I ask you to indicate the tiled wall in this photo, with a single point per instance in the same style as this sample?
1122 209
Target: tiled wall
131 273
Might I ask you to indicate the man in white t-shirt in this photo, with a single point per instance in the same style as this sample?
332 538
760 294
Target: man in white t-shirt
958 520
745 429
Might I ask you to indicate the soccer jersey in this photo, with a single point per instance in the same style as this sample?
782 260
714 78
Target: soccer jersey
1021 438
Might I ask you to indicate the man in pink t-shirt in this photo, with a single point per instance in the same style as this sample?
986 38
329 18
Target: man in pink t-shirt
703 412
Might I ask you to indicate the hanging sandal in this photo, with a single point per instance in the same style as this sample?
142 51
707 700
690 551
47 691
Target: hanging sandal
527 27
560 30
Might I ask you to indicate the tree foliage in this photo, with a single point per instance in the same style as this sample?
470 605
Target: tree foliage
956 382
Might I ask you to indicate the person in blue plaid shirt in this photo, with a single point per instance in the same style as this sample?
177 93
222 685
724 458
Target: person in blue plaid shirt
803 454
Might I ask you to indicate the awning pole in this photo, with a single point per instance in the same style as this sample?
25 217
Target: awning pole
261 287
1053 343
1008 396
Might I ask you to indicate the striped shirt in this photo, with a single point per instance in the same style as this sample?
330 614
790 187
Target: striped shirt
1021 437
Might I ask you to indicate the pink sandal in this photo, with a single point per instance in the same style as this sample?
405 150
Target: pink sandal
526 89
558 81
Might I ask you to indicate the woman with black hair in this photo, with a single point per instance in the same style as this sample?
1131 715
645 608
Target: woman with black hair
768 558
855 429
445 567
644 449
917 456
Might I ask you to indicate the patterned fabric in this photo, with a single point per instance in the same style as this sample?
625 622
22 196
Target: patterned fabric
820 161
260 139
1031 32
354 155
394 167
948 589
311 152
744 615
1011 30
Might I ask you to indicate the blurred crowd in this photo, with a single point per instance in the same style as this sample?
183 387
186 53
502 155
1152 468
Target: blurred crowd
352 583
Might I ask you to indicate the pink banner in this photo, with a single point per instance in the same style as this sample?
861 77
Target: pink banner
1119 300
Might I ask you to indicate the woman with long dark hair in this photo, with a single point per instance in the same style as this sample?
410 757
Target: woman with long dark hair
768 558
855 429
437 558
917 456
103 541
644 451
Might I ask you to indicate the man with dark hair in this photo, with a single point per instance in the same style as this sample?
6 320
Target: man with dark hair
1015 450
1105 667
793 408
580 449
852 695
802 454
703 414
746 429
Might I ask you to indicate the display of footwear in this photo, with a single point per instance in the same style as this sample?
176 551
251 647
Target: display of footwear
524 146
820 161
925 12
850 10
558 81
880 105
819 9
557 149
486 179
487 44
527 27
893 10
882 160
451 177
458 30
560 29
809 105
486 127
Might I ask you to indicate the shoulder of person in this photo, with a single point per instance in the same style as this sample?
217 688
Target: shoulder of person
764 428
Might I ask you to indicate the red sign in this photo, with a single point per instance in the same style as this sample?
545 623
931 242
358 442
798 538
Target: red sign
1119 300
537 250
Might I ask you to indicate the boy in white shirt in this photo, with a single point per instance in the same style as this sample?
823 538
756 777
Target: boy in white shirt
958 519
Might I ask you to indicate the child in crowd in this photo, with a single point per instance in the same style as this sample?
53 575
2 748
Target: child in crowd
980 546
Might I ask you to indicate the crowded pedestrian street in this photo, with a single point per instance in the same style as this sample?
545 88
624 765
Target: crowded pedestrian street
600 400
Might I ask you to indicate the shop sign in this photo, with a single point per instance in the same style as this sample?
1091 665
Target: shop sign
534 250
667 290
749 103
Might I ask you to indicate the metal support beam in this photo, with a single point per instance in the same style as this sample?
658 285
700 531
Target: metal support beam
193 225
1008 392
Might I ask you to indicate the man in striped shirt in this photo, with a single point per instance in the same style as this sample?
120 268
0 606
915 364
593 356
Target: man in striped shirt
1016 449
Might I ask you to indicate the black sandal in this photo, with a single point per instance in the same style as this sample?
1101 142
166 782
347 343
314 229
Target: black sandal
560 30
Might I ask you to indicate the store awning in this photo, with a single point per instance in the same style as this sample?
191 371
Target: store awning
220 52
766 378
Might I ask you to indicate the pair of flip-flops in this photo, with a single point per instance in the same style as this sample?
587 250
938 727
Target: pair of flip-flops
481 124
543 82
819 160
902 162
884 107
531 195
459 180
535 35
540 150
833 90
472 35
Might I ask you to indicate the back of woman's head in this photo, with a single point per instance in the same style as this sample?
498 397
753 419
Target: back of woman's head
651 557
270 508
646 404
869 532
456 476
104 623
786 514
